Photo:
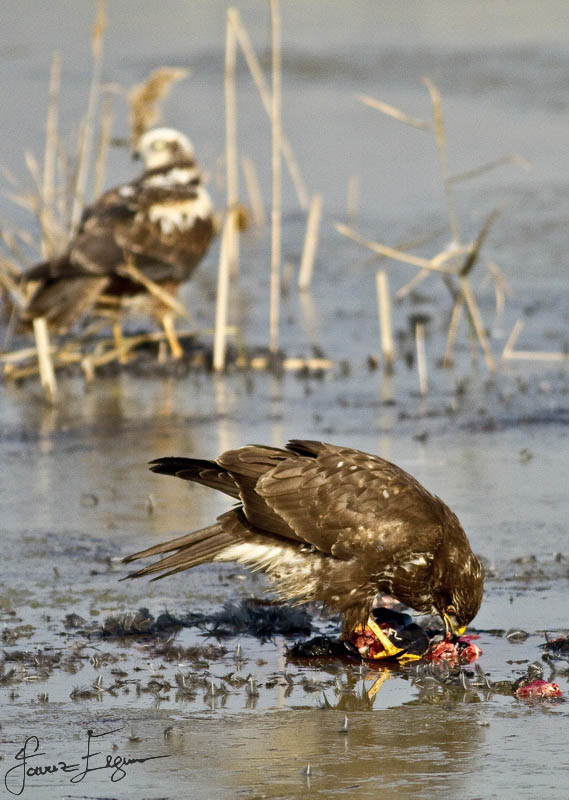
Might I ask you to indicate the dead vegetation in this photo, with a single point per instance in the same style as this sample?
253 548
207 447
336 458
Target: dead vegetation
72 173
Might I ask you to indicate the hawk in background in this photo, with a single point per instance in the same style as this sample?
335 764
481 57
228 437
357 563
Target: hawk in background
161 223
331 525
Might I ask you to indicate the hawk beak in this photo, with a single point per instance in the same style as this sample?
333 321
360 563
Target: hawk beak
452 626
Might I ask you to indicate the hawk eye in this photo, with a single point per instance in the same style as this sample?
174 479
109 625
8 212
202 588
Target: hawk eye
451 610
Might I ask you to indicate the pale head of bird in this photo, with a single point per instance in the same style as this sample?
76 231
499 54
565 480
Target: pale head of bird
160 147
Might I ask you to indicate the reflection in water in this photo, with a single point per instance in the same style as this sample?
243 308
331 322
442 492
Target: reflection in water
276 412
227 428
406 751
310 319
385 419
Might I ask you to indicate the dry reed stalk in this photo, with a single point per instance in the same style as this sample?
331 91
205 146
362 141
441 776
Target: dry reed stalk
440 139
421 357
536 355
384 313
396 113
45 364
513 158
222 297
50 150
119 342
452 253
171 337
144 99
253 191
260 82
23 354
274 309
292 363
474 253
502 287
231 157
59 358
512 339
310 242
309 318
8 239
397 255
452 331
86 136
10 267
150 337
62 207
411 285
130 271
476 319
9 282
352 197
88 369
466 289
104 140
9 176
27 238
104 356
33 202
508 353
416 241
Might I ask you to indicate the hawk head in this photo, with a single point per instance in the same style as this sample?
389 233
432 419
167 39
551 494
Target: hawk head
161 147
459 594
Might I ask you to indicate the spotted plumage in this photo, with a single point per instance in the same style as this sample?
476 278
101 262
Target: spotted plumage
162 223
332 525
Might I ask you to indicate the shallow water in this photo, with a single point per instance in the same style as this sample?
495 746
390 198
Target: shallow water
76 494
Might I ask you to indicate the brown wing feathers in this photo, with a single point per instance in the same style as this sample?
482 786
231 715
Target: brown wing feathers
193 548
236 475
198 470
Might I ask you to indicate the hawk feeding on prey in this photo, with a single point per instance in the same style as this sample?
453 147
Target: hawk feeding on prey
332 525
160 223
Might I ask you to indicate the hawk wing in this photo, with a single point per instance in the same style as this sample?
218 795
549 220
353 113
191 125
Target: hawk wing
170 233
166 231
338 500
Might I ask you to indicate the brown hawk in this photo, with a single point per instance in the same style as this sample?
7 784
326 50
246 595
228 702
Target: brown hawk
162 223
330 525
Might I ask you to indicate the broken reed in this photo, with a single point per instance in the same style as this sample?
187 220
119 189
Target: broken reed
258 77
509 353
231 159
87 126
143 99
222 296
253 191
310 242
421 357
274 310
352 197
47 372
50 154
384 313
464 294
